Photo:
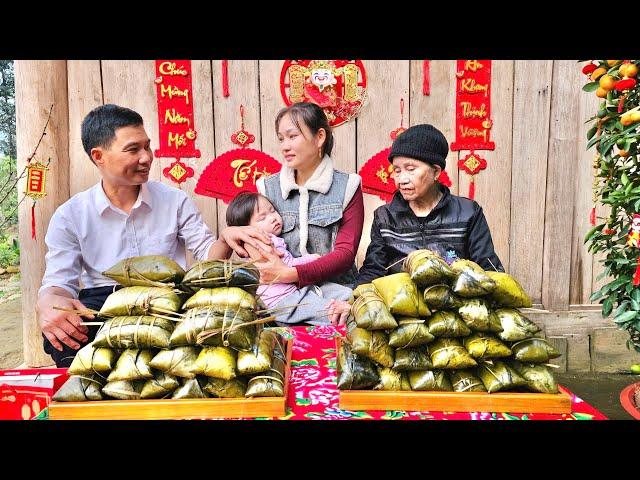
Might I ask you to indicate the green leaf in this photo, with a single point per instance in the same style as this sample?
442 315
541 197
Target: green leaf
623 307
596 295
593 141
635 295
624 179
607 306
635 304
625 317
593 230
591 132
591 86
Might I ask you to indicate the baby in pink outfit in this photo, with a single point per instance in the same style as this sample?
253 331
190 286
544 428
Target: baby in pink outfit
308 304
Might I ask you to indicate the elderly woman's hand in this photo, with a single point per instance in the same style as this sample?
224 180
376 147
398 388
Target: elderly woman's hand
338 311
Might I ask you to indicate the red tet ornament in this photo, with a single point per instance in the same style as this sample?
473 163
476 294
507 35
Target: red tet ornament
174 94
377 172
178 171
633 240
36 187
472 164
473 106
237 170
337 86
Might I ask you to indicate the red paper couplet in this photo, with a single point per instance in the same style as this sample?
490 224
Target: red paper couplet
174 93
473 106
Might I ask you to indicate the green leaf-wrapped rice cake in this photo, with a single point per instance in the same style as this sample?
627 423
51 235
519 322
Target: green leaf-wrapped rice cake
417 358
146 271
515 326
465 381
539 377
448 353
142 331
80 388
497 375
483 346
411 332
133 364
401 295
426 267
471 280
355 372
430 380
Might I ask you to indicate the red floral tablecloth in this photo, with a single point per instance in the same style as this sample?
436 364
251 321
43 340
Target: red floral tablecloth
313 394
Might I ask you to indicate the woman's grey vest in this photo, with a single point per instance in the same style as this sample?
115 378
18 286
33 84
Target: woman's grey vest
325 213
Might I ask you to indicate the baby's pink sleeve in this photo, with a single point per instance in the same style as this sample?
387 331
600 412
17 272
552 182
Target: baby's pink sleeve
302 260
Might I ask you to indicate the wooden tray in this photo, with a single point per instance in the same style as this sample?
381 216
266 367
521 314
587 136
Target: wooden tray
169 409
454 401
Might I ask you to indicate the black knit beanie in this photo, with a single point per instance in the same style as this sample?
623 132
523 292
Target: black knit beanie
421 142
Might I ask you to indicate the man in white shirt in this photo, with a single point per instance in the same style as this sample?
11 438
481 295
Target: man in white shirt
122 216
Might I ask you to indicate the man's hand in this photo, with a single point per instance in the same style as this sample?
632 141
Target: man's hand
338 311
59 326
235 237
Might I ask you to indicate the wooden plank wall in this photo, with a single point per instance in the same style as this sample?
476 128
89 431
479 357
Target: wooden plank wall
536 191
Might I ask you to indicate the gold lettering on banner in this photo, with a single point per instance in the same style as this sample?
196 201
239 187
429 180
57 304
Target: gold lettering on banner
296 82
473 132
172 117
178 139
169 68
351 83
242 171
469 112
172 91
257 174
473 65
469 85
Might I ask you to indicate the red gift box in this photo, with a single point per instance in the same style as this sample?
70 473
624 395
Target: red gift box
25 393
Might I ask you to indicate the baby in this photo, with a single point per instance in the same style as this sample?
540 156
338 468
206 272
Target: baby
315 301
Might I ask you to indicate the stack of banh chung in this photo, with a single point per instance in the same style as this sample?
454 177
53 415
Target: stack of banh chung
441 327
175 334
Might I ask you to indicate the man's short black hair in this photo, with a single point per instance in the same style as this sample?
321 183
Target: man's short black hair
100 125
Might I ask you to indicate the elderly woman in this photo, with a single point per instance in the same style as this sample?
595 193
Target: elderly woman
423 213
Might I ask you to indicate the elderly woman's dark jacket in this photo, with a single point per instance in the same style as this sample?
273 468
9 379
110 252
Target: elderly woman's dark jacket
455 228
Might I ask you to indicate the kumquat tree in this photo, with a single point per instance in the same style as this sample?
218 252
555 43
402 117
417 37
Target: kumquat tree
616 185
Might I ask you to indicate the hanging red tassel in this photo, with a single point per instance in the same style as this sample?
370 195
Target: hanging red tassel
33 220
426 82
225 78
636 276
592 216
472 188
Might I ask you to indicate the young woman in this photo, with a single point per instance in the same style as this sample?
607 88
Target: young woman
322 208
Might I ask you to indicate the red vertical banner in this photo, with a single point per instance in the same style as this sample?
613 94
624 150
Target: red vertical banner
473 106
174 93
